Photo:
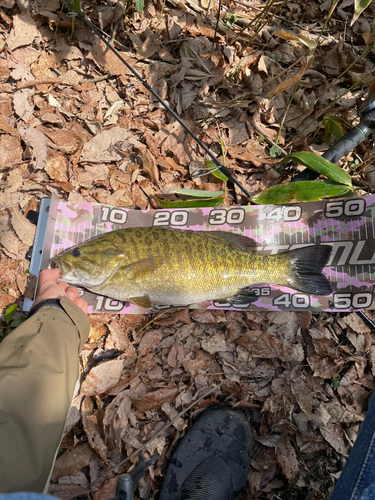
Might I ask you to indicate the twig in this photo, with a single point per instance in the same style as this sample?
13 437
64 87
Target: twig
327 20
286 111
31 83
114 32
97 79
149 323
216 28
180 414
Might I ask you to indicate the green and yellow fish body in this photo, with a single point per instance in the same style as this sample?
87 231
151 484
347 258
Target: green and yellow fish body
160 266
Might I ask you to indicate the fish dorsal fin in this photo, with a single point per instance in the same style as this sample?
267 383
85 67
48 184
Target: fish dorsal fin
144 301
237 241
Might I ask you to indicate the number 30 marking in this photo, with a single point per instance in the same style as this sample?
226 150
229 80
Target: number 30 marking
220 216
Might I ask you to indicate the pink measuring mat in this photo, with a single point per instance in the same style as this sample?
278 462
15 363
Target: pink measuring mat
346 224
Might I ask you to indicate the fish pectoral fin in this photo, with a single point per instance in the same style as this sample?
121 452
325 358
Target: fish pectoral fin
141 267
242 297
144 301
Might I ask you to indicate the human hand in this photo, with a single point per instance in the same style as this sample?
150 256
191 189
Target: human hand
49 288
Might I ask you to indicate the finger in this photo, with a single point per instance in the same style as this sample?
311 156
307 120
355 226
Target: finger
63 284
82 304
72 293
48 276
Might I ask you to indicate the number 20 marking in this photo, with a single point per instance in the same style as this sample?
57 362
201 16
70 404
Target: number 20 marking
176 218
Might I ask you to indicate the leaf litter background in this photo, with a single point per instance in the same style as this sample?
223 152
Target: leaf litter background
74 122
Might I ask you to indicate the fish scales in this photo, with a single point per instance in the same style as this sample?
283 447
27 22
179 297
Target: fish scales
159 266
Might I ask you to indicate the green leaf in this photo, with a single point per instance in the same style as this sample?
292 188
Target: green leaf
319 164
17 322
332 126
213 168
27 271
299 191
359 7
77 5
139 5
335 384
9 313
275 151
197 193
212 202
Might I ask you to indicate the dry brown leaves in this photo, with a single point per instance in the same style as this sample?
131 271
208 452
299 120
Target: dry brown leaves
75 122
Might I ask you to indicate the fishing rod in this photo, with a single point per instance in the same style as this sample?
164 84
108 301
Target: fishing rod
349 141
222 168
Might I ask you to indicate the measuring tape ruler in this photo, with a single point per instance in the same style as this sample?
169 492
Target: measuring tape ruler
345 224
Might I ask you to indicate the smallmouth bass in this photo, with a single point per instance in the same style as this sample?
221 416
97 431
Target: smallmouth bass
152 266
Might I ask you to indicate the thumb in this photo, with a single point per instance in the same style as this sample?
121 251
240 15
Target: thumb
48 276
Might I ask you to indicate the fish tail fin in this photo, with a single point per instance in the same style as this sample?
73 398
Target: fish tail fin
307 264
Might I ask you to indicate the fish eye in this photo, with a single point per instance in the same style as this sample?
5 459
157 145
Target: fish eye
76 252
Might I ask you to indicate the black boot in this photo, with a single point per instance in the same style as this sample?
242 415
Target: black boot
212 460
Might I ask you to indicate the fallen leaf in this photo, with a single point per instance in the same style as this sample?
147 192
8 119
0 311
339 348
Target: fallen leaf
119 339
5 301
57 167
63 139
215 343
92 174
356 323
109 61
335 437
67 491
74 414
287 457
38 143
108 491
171 413
149 165
13 247
72 461
90 426
7 4
10 151
263 345
100 147
208 316
24 229
154 400
177 355
293 79
24 31
22 105
102 377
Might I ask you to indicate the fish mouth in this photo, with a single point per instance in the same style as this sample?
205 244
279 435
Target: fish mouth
64 267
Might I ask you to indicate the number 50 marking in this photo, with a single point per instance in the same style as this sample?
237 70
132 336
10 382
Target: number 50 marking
350 208
355 301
